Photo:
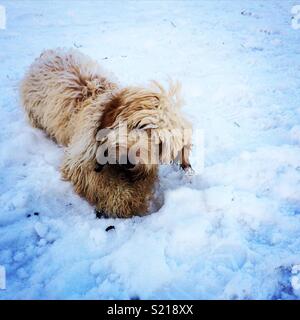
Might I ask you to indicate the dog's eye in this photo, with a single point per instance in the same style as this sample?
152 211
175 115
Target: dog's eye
148 126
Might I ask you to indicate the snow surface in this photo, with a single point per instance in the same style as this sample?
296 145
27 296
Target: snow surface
233 231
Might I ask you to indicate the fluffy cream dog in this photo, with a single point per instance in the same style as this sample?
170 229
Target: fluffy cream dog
68 95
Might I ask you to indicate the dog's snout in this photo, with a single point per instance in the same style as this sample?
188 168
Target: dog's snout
125 163
98 167
128 166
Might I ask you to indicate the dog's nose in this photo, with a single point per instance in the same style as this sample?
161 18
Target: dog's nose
125 163
98 167
128 166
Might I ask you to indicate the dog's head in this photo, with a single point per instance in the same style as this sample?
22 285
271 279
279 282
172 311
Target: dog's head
141 128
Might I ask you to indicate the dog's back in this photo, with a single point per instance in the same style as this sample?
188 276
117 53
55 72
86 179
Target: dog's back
56 85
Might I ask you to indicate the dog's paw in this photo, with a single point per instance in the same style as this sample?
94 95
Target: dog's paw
100 214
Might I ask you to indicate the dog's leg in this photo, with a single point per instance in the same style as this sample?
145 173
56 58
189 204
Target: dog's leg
100 214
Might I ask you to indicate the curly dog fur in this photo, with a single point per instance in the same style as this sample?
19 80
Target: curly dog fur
70 97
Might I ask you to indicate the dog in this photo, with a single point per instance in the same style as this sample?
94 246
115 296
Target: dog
81 107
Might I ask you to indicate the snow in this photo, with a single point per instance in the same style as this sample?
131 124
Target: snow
232 231
295 280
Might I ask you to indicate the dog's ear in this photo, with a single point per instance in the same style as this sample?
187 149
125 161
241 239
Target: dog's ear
111 111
